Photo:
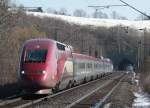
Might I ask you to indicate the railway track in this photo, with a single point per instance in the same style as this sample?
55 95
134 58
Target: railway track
97 98
67 98
70 98
11 99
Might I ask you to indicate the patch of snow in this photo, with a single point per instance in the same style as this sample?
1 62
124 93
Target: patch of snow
94 21
137 82
142 100
107 105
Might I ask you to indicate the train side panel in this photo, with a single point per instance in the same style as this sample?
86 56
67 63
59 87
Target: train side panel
89 68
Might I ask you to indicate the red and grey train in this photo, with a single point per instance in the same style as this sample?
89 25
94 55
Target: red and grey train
47 64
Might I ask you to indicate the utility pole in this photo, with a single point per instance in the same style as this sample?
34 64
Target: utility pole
144 42
142 48
90 50
138 54
56 29
55 34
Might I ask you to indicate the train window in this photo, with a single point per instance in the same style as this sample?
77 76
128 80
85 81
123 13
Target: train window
101 65
95 65
36 55
61 47
81 65
89 65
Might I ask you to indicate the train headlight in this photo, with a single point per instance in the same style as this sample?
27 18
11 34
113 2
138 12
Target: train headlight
41 72
22 72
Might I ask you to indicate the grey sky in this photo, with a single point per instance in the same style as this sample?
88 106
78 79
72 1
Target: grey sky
71 5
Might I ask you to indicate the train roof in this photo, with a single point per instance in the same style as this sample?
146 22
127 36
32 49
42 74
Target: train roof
46 40
86 57
82 56
39 39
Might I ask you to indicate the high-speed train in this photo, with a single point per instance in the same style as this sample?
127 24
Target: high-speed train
48 64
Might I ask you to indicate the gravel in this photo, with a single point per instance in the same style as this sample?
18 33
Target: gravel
123 96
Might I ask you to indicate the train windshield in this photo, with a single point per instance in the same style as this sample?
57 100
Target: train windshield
35 56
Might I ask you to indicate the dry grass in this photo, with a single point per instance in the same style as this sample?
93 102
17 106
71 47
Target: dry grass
145 82
145 75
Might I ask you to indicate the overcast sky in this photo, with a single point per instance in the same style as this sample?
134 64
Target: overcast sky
71 5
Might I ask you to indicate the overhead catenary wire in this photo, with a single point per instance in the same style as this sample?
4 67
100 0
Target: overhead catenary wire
104 7
135 9
107 6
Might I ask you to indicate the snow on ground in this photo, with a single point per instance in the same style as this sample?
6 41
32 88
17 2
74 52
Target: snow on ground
107 105
95 22
142 100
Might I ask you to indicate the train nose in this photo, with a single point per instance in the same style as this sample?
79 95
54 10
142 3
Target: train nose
33 77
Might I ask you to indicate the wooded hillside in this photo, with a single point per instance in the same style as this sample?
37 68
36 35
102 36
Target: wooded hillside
17 27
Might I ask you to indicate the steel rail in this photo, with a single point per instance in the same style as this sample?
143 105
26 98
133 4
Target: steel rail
11 99
101 102
84 97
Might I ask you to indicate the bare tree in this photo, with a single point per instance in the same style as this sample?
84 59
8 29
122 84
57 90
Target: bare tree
114 15
63 11
4 2
50 10
99 14
79 13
